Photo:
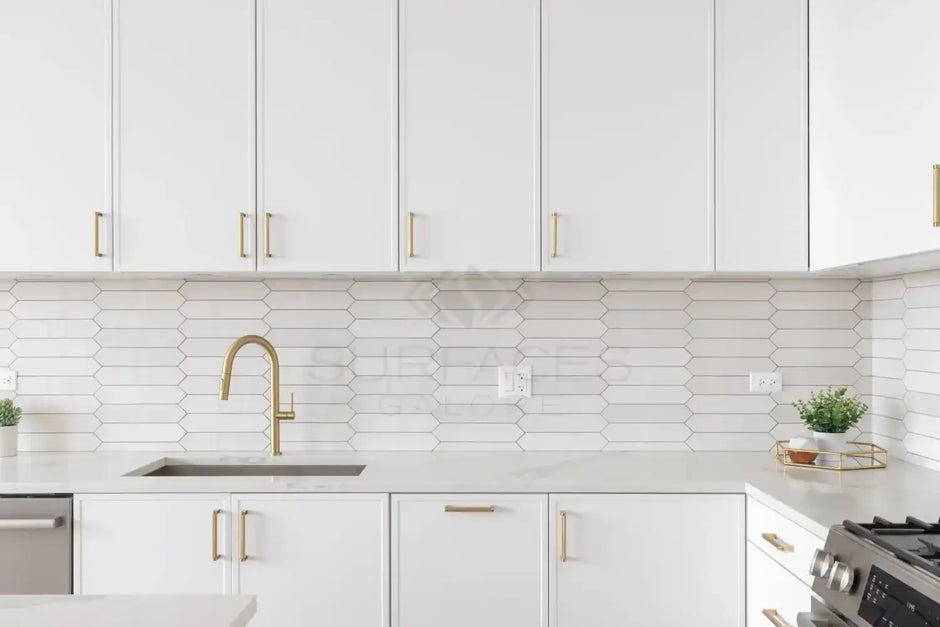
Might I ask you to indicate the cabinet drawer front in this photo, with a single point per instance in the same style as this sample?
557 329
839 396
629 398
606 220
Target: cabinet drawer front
774 595
783 540
469 560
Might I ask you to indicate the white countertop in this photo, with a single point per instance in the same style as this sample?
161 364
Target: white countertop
121 611
816 499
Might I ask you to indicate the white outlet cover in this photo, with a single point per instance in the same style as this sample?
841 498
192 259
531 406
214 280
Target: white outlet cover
514 382
765 382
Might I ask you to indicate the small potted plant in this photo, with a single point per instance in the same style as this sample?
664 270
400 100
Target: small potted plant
9 418
829 415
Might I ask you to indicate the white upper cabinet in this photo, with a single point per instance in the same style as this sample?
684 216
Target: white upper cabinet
184 135
761 136
875 130
627 97
55 147
327 135
469 560
469 98
313 559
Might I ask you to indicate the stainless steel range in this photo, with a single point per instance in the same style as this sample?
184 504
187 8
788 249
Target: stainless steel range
879 573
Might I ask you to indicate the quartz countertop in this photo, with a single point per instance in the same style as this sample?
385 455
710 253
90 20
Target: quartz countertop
120 611
814 498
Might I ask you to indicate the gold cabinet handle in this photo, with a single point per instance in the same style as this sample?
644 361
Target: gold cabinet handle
936 195
215 534
241 234
775 619
470 509
563 529
242 554
411 234
267 234
774 540
554 234
98 215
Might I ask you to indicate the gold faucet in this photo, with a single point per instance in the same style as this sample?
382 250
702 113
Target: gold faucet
276 414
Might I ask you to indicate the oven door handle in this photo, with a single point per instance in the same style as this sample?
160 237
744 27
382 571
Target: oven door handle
29 524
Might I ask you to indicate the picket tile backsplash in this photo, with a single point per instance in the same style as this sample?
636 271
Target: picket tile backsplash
618 364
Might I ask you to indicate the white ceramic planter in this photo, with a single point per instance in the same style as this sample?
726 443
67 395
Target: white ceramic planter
8 436
833 442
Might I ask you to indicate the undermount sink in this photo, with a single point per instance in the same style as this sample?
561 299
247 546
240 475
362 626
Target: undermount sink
253 470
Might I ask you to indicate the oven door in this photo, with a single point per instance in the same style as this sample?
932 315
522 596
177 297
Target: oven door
819 617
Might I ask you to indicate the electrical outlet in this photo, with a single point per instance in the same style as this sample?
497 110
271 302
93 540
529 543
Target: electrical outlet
515 382
7 380
762 382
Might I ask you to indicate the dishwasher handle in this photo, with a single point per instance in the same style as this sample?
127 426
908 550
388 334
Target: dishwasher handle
30 524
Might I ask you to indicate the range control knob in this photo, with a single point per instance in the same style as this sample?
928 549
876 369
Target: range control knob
841 577
821 564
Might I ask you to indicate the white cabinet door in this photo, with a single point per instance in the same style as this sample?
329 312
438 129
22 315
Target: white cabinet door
184 135
314 559
875 130
55 147
327 135
469 97
647 559
469 560
627 96
772 591
151 544
761 80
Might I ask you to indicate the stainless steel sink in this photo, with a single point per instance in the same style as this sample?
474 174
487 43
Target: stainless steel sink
253 470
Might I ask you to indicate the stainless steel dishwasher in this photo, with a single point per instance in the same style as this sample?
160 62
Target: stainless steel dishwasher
35 544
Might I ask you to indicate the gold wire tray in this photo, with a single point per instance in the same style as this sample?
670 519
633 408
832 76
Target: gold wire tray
868 456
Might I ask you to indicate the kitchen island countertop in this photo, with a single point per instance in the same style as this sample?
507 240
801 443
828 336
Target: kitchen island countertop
176 610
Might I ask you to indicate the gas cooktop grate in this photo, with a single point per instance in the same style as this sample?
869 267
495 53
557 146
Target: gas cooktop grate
913 541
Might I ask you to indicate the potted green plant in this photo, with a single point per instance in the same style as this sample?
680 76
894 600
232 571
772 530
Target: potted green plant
9 419
829 415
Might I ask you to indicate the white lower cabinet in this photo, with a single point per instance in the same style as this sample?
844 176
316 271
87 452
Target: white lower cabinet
647 559
469 560
461 560
318 559
774 595
313 559
151 544
786 542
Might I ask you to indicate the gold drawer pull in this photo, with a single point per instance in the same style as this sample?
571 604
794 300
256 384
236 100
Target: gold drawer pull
98 215
563 527
215 534
775 541
775 618
241 234
267 234
936 195
242 554
554 234
411 234
470 509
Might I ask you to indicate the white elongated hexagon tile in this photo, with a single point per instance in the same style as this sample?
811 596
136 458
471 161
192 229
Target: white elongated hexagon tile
411 365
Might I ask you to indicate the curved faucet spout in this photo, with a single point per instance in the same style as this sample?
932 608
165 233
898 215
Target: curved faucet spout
226 383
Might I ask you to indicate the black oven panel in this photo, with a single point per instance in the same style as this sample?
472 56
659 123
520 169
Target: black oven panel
887 602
